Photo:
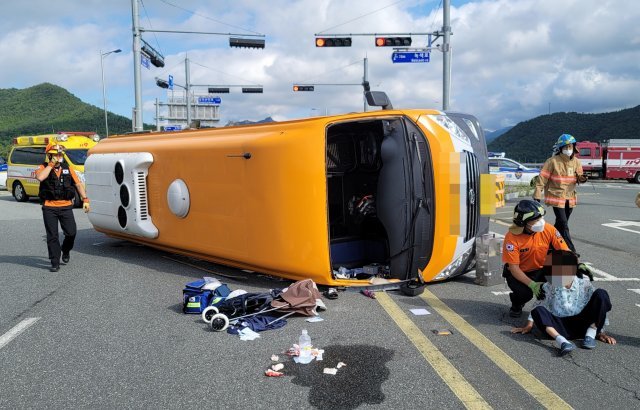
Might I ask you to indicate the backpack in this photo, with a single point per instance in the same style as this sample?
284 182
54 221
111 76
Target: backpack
195 298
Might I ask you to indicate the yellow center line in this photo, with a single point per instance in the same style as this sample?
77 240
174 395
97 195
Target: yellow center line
513 369
449 374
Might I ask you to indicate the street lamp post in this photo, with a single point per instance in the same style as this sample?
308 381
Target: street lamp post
104 92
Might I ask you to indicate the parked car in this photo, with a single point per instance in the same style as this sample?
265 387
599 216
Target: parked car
3 173
514 172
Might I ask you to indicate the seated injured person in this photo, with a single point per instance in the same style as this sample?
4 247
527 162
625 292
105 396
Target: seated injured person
569 307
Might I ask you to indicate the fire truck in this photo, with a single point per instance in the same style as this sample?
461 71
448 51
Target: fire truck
615 159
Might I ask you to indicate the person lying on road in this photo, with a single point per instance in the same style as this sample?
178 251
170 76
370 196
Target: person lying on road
570 306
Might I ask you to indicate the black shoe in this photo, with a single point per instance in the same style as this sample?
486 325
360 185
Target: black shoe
65 257
54 268
515 311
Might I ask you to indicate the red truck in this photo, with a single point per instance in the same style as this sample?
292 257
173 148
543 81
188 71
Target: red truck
615 159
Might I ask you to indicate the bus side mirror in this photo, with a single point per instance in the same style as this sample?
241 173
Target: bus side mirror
378 99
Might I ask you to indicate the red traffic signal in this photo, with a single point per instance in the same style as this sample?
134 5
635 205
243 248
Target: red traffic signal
302 88
333 41
393 41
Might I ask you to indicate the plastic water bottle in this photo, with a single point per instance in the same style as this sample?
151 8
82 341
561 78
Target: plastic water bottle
305 346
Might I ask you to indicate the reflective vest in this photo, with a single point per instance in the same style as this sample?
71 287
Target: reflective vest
558 179
58 187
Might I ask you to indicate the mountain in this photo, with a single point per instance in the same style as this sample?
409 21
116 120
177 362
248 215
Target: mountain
532 140
47 108
245 122
491 135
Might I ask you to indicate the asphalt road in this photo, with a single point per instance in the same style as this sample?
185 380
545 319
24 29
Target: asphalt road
107 331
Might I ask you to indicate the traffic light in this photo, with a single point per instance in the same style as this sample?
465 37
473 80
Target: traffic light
218 90
302 88
393 41
162 83
246 42
156 58
252 90
333 41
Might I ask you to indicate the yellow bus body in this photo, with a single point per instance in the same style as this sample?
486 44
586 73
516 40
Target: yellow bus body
262 197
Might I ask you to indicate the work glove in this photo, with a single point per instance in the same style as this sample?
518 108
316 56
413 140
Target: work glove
582 179
85 206
536 288
583 269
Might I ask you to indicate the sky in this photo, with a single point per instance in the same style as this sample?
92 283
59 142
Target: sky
512 60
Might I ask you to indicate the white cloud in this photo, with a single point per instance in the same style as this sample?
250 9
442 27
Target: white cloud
511 58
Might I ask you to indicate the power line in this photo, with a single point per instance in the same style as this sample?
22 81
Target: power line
222 72
207 17
433 24
331 71
357 18
150 25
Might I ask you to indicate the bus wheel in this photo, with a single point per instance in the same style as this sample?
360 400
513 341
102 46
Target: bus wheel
412 288
637 178
19 194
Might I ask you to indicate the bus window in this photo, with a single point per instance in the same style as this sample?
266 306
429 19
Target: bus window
77 156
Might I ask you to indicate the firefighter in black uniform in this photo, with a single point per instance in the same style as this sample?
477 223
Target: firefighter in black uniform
58 185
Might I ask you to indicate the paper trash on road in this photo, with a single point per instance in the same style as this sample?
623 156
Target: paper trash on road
420 312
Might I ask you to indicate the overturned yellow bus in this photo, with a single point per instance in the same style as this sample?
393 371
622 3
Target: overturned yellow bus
300 199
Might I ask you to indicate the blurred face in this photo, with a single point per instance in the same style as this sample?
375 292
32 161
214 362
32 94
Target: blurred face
560 270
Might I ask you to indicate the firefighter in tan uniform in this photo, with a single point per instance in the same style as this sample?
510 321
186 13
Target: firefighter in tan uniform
557 180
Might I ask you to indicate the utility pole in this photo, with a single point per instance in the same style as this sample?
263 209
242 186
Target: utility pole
365 81
446 54
188 90
137 120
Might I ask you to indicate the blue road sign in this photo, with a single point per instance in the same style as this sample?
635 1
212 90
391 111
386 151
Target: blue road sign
410 57
170 82
173 127
144 61
209 100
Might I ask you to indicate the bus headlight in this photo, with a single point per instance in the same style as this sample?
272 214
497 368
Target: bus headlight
453 266
453 129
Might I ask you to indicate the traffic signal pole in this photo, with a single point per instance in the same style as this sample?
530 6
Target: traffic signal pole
188 90
365 80
137 120
446 54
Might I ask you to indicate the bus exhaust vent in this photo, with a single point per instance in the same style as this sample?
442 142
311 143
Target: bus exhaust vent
473 195
117 186
142 196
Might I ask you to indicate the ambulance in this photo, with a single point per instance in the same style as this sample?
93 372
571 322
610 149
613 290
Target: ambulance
27 154
394 194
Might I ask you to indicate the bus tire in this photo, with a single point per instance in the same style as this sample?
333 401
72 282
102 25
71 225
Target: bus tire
637 178
412 288
19 193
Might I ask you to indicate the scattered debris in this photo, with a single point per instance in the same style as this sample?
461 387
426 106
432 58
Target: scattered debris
442 332
275 358
341 364
314 319
271 373
277 367
368 293
329 370
420 312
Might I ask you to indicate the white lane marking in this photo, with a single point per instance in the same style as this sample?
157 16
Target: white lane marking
637 305
607 277
501 293
618 224
635 290
16 330
595 279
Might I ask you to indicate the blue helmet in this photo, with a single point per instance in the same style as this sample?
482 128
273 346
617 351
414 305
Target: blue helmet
565 139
